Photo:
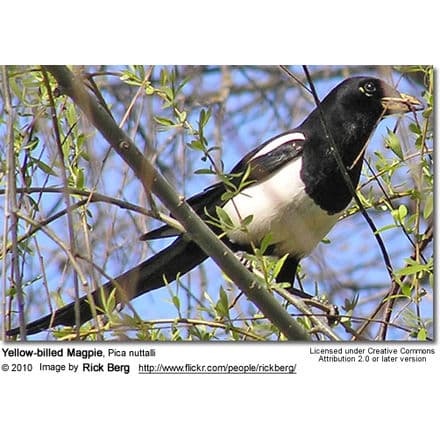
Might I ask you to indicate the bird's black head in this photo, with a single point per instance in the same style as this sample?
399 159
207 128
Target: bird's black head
370 97
353 109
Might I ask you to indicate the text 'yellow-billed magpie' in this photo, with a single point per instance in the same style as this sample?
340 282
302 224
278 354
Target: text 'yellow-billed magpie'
296 192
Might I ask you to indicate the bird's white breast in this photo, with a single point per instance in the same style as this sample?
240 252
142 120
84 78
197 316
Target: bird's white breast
280 205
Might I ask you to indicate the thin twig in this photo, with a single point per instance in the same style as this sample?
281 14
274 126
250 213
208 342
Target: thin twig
390 298
11 211
392 293
70 222
171 323
61 244
91 198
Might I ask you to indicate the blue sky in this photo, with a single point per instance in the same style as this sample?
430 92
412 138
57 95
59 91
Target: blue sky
351 239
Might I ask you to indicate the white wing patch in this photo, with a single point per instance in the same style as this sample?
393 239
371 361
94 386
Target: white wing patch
280 205
278 141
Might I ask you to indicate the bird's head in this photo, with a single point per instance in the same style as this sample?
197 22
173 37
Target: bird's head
372 96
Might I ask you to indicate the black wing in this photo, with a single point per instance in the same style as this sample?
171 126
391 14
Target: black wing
261 163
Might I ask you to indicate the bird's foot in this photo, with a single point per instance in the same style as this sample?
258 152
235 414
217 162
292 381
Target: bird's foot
320 302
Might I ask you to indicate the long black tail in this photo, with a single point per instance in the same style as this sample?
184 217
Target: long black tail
178 258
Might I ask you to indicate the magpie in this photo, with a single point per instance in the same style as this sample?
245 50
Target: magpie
294 190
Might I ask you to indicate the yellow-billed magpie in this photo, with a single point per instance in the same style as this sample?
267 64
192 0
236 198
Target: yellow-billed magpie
295 192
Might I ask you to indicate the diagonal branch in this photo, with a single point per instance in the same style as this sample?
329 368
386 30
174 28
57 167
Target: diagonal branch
153 182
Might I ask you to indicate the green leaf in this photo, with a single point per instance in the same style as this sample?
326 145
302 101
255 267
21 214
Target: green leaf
279 265
400 213
204 171
196 145
176 301
266 242
44 167
403 211
393 142
149 89
247 221
429 205
422 334
163 121
227 196
163 76
385 228
80 178
181 115
224 217
350 304
411 270
131 80
406 290
204 117
169 93
222 306
31 145
415 129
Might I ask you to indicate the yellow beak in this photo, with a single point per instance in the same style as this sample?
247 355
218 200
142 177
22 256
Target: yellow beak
401 104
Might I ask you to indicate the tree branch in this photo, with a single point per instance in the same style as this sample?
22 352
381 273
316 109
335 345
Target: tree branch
152 181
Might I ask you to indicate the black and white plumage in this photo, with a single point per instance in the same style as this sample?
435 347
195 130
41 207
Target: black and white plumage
296 193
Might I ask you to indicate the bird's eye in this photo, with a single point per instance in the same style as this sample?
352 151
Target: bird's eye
368 88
